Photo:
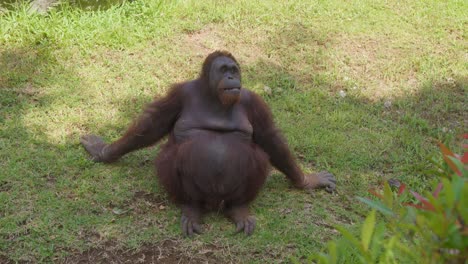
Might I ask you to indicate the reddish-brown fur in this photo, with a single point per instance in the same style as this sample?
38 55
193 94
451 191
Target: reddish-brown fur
218 153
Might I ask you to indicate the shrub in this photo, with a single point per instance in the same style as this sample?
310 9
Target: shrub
428 228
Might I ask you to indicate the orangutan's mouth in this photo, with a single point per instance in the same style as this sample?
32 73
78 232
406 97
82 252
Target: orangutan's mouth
232 89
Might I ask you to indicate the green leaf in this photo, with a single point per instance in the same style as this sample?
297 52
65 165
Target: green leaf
348 236
447 192
367 230
377 239
379 206
457 187
459 164
454 237
463 205
332 253
389 250
410 252
388 195
318 258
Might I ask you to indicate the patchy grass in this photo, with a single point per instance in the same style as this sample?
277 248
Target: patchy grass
402 68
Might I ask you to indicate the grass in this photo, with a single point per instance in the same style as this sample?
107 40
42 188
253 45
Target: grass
402 67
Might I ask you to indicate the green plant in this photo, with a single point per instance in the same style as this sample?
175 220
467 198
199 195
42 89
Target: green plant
433 229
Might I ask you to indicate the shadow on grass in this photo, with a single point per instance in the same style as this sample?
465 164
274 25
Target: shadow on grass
26 73
22 70
25 156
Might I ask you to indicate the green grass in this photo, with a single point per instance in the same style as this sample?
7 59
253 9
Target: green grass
402 64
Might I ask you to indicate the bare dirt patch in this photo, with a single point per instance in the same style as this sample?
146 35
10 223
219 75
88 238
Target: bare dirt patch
168 251
5 260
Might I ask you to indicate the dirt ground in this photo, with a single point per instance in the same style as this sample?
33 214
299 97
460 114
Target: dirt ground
166 252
